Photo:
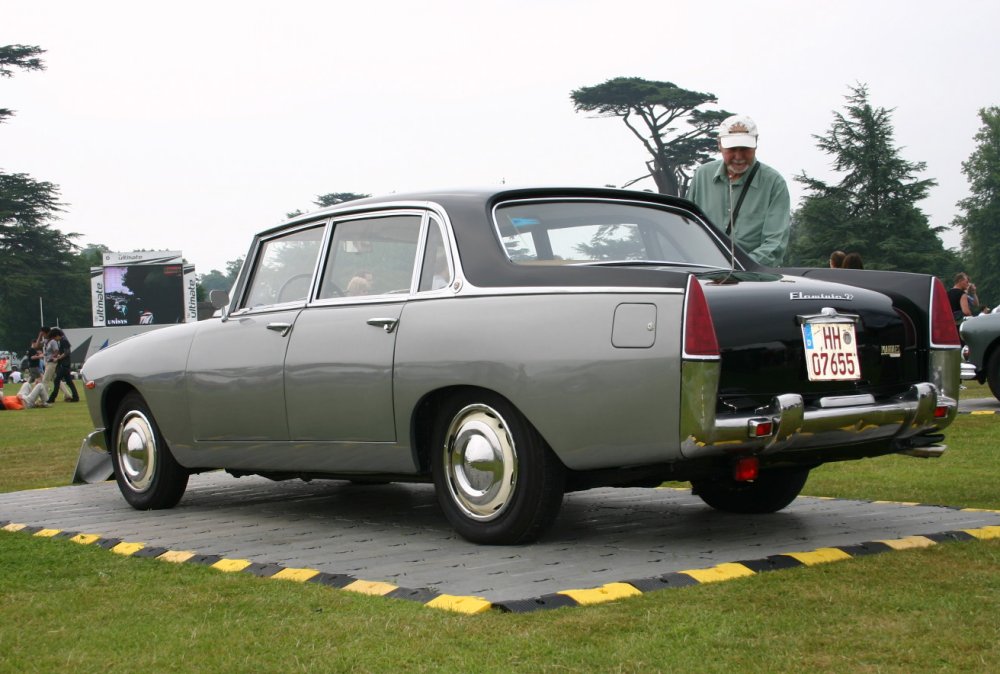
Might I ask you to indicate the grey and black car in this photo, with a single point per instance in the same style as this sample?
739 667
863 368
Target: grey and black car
511 345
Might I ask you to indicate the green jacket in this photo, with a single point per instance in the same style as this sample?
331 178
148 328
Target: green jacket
763 221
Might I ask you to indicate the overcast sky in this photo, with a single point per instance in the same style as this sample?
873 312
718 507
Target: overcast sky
191 125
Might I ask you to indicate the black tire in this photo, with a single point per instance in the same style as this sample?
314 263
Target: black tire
770 492
993 373
146 472
510 489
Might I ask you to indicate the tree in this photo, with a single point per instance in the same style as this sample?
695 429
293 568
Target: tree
872 210
39 262
329 199
216 280
653 111
333 198
18 56
980 222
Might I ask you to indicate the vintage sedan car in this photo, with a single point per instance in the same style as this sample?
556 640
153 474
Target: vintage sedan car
513 345
981 352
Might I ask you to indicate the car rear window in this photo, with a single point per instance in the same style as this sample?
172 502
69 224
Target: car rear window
582 231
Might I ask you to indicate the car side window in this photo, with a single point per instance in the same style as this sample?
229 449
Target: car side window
284 268
371 256
435 272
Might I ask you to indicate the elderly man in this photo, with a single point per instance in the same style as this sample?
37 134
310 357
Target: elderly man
746 198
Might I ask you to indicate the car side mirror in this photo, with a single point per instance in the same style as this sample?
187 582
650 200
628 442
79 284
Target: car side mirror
220 300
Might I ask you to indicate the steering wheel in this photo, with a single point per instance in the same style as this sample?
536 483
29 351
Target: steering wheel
288 286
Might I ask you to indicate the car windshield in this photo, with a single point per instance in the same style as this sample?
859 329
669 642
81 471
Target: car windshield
588 232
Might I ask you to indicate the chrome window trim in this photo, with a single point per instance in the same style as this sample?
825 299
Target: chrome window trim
247 272
429 213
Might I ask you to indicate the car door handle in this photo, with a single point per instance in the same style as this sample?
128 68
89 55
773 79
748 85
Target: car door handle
283 328
387 324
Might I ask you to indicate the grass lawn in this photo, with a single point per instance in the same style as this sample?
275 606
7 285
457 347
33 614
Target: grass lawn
64 606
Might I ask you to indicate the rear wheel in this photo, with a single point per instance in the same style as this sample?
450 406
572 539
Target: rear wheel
496 479
147 474
993 373
770 492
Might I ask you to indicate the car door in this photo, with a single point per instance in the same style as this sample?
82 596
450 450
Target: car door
338 368
235 378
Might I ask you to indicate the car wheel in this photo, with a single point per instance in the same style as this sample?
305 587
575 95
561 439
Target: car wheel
496 479
147 474
770 492
993 373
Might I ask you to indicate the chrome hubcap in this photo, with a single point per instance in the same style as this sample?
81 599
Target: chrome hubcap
480 462
136 450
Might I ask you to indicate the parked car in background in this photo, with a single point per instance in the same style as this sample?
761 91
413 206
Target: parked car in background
513 345
981 353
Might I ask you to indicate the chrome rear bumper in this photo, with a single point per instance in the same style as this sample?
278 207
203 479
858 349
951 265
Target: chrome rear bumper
831 422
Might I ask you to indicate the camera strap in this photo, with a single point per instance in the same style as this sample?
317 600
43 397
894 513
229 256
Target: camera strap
743 193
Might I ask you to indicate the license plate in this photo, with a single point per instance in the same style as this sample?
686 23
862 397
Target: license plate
831 351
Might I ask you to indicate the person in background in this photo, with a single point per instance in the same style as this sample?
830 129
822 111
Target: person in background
852 261
36 357
963 299
837 259
50 355
62 361
743 196
30 395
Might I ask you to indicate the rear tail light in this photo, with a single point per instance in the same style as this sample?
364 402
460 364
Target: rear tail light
699 331
943 330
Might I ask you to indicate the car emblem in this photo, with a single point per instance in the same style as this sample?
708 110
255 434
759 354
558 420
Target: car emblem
799 295
891 350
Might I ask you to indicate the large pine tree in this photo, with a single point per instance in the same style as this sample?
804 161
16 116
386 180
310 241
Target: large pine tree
980 222
873 209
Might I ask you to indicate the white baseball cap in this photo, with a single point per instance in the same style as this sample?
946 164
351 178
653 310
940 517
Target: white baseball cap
738 131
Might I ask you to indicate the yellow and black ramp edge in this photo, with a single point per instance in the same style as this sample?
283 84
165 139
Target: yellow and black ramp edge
740 569
563 598
340 581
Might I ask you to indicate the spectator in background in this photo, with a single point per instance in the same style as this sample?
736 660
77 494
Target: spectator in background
746 198
963 299
50 355
62 361
837 259
30 395
36 357
852 261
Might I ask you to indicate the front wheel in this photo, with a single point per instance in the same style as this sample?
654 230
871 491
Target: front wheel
146 472
770 492
496 479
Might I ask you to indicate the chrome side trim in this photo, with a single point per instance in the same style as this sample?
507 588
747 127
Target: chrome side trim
946 370
699 384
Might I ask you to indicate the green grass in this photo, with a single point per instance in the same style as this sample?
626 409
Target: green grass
39 446
66 606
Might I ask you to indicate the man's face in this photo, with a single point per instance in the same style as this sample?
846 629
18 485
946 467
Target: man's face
738 159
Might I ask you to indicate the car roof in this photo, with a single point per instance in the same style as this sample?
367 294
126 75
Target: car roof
484 262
